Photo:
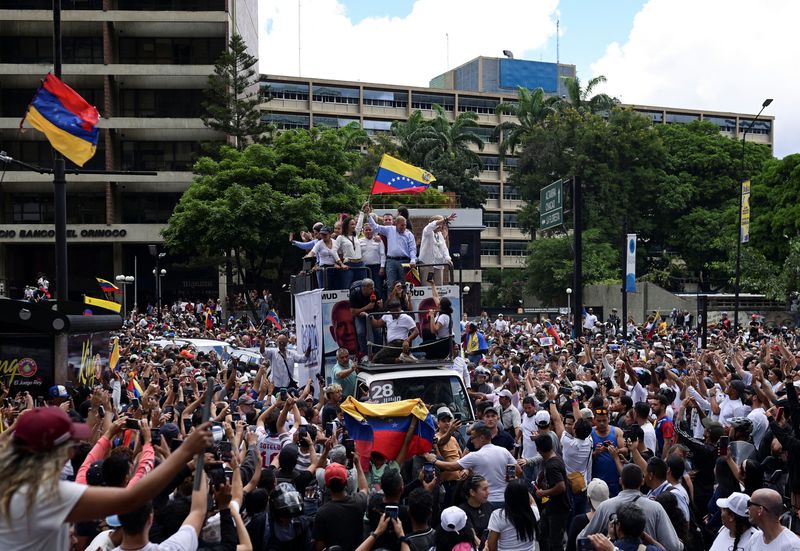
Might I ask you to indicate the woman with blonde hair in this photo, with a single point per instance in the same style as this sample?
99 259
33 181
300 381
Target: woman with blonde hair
36 505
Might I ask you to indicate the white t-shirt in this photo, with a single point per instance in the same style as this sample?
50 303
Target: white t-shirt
45 526
650 440
102 542
787 541
445 330
270 446
501 326
398 329
185 539
576 454
637 393
509 539
490 462
724 540
760 425
528 428
729 408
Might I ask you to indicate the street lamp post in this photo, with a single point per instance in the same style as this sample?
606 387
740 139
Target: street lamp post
158 274
739 229
125 281
569 302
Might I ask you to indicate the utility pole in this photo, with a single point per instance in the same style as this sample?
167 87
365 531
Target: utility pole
59 180
577 283
624 320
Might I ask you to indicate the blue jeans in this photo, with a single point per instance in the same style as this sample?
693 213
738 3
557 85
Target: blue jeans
361 332
394 273
375 274
355 272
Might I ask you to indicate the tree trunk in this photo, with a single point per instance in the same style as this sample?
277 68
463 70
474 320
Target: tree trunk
244 287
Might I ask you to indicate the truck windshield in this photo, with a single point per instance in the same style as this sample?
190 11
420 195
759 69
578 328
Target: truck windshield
444 390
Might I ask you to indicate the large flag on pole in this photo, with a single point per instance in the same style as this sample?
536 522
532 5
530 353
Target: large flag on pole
630 264
395 176
107 286
65 118
382 427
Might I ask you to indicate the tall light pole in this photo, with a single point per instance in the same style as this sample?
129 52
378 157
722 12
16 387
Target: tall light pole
569 302
125 281
739 229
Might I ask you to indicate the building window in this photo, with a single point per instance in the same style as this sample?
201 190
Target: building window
385 98
169 5
510 220
489 163
284 121
510 164
492 191
170 156
655 116
284 90
39 49
515 248
511 193
482 106
148 208
170 51
485 134
491 219
681 118
375 126
39 153
85 208
760 127
724 124
161 103
333 122
420 100
335 94
489 248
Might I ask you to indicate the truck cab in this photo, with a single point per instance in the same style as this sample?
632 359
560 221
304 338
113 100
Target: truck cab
435 384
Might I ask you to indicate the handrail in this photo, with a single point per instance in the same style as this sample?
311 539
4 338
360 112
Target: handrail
370 335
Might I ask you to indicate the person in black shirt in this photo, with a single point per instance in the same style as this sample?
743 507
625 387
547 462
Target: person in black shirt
340 521
477 504
552 485
499 437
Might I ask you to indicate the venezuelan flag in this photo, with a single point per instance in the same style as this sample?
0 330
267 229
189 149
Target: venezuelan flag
209 319
383 427
107 304
107 286
551 330
66 119
273 318
133 386
395 176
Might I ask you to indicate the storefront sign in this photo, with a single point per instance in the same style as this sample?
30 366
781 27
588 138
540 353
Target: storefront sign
30 233
24 233
26 363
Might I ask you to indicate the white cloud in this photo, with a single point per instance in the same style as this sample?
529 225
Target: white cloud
722 55
399 50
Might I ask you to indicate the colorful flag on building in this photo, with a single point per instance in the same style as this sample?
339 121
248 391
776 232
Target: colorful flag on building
395 176
65 118
272 317
107 286
382 428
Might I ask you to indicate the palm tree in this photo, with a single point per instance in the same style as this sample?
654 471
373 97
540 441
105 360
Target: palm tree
531 110
582 98
353 136
451 139
407 133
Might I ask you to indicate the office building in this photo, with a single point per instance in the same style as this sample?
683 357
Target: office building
144 64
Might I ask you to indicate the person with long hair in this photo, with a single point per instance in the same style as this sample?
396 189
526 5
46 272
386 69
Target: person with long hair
474 492
349 249
736 529
328 260
727 483
36 505
513 527
439 328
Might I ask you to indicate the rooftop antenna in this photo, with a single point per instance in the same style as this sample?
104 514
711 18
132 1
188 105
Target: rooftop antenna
447 58
558 57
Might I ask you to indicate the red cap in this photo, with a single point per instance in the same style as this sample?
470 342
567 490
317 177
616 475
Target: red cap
44 429
335 471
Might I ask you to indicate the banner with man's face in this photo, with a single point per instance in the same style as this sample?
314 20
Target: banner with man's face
308 331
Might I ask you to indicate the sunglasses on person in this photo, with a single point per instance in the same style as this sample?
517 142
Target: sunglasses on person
751 503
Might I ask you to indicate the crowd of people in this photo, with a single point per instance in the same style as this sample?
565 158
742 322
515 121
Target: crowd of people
579 441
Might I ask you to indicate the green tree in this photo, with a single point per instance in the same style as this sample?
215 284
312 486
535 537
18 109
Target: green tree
549 267
247 201
581 98
506 288
774 203
233 95
530 110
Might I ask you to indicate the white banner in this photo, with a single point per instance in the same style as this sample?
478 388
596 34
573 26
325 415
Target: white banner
308 325
630 264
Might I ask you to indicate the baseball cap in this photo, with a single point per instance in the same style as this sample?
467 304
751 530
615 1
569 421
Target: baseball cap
246 400
58 391
44 429
499 315
444 412
714 428
335 471
586 413
492 409
170 430
324 229
113 521
505 393
454 519
542 418
598 492
736 502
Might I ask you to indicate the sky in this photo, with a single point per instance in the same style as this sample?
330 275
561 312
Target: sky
721 55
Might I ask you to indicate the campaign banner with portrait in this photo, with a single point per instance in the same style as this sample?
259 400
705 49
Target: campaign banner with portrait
87 353
27 363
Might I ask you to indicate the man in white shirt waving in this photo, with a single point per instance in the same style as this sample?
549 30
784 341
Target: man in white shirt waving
401 330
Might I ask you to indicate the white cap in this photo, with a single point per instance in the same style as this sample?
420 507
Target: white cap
499 315
505 393
453 519
598 492
542 417
736 502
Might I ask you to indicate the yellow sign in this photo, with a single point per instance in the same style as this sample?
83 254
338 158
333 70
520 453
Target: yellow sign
744 229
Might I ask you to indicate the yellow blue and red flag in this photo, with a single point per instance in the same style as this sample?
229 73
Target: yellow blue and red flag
133 386
113 359
107 286
382 428
551 330
396 176
273 318
65 118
